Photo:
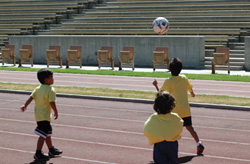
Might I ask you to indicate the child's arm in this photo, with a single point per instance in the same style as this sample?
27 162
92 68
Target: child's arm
53 106
155 83
24 107
192 93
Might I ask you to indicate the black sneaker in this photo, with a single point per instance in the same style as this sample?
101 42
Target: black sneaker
41 156
200 149
54 151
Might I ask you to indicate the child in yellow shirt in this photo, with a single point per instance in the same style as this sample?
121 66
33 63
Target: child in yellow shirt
178 86
163 129
45 98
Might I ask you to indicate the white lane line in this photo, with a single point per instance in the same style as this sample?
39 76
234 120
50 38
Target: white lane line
66 157
122 146
64 83
125 110
143 121
224 118
226 129
124 132
106 108
218 157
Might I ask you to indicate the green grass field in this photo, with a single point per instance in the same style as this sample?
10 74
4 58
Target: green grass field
227 100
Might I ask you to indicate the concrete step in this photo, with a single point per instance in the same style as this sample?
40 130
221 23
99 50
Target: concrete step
236 55
233 53
237 51
235 68
238 64
230 59
239 47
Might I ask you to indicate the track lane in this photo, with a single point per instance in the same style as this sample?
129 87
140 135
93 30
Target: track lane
81 131
209 87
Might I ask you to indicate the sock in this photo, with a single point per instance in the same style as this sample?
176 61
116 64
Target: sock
198 143
51 149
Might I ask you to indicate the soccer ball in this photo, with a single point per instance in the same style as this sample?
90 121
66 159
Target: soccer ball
160 25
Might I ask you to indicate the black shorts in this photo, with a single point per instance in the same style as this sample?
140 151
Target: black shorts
187 121
43 129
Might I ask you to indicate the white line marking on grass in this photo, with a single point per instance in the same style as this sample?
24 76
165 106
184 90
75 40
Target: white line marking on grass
112 145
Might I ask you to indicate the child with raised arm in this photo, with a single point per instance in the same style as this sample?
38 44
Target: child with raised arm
163 129
45 98
178 86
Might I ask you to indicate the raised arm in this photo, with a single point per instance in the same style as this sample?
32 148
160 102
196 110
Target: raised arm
24 107
155 83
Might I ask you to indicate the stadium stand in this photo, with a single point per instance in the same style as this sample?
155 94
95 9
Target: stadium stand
223 23
20 17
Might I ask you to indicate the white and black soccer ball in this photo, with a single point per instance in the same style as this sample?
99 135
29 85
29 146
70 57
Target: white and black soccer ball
160 25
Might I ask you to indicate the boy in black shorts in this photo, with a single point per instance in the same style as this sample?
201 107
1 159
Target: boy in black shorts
178 86
45 98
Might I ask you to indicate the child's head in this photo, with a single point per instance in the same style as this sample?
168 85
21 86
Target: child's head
164 103
175 66
44 74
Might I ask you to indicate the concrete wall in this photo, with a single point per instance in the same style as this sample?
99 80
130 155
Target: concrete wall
247 53
190 49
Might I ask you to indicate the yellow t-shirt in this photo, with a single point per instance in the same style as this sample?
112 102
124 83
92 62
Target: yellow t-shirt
178 86
43 95
163 127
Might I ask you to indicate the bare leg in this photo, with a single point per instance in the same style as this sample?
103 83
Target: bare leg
49 142
193 133
40 143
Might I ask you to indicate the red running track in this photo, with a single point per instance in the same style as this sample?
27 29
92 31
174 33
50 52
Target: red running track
209 87
91 131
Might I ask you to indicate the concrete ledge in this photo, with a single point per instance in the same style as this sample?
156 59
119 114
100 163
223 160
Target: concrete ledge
143 101
190 49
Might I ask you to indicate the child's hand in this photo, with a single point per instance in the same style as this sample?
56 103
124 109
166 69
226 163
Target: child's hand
192 94
23 108
155 83
55 115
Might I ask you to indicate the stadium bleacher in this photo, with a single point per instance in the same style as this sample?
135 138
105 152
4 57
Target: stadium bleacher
20 17
223 23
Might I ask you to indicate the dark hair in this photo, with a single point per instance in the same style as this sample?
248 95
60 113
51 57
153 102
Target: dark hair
175 66
42 74
164 103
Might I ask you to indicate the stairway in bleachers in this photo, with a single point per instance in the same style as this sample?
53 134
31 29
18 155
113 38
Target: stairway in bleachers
28 17
221 22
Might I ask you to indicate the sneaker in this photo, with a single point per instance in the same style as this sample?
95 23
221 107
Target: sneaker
41 156
200 149
54 151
